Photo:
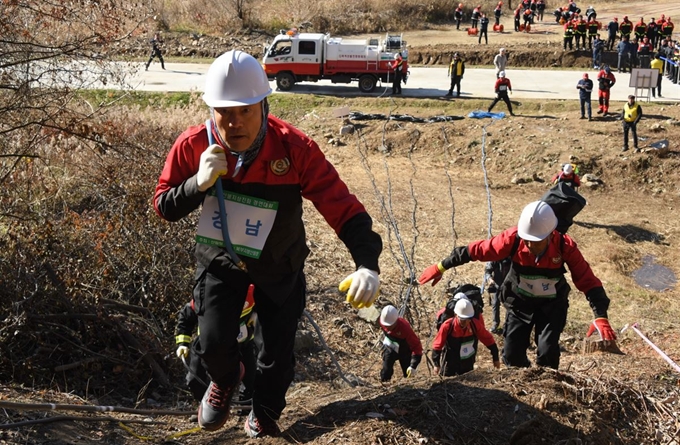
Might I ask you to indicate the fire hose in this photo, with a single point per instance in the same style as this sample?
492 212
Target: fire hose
663 355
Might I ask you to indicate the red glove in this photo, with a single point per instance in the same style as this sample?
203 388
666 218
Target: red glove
603 328
433 272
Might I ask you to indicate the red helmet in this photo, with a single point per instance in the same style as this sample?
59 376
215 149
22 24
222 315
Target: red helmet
625 17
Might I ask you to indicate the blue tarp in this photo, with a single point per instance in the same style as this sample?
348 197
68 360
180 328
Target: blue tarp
482 114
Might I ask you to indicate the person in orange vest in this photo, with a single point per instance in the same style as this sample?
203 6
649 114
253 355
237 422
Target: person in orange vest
659 30
400 344
626 27
397 67
517 15
605 80
640 29
569 35
580 29
501 88
497 12
667 28
476 14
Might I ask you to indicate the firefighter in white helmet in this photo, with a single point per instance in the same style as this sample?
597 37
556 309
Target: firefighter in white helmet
263 167
400 344
535 292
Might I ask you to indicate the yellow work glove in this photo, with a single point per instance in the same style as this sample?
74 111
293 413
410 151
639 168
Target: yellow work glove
410 372
362 288
182 352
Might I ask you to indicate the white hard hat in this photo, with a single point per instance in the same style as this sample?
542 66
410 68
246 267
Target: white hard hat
396 56
389 315
568 169
536 222
464 309
501 74
235 79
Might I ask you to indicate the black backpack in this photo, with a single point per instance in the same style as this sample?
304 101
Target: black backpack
472 292
566 203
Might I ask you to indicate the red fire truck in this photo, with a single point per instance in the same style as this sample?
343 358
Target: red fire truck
308 57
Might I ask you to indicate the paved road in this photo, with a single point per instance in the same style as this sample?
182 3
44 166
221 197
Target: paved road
426 82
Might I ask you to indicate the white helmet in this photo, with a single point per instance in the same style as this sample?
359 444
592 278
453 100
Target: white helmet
501 74
536 222
568 169
464 309
389 315
235 79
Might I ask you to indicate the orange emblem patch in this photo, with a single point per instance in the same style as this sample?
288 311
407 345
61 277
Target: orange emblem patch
280 166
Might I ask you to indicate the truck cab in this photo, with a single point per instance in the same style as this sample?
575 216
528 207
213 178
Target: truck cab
294 57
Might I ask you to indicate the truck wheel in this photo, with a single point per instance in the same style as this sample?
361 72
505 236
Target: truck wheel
367 83
285 81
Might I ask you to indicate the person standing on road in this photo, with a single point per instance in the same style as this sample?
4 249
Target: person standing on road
612 32
397 67
265 167
585 88
156 43
605 80
535 293
400 344
483 29
598 49
501 88
456 71
500 61
657 64
631 115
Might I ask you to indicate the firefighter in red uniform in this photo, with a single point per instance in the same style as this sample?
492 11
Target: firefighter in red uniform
606 81
265 167
626 27
640 29
568 176
501 89
397 66
458 15
569 29
535 292
580 29
400 343
458 338
593 28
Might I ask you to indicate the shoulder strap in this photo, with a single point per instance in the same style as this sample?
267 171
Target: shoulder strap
515 246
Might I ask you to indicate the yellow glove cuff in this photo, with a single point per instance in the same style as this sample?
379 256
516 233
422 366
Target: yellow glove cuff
441 267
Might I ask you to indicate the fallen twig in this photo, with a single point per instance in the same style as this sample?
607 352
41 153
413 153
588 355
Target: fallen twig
91 408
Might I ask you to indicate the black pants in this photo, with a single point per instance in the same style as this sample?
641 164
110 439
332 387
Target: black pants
632 126
502 95
483 32
458 23
610 42
390 358
455 83
155 53
474 23
396 83
658 86
548 321
568 41
219 296
495 303
197 378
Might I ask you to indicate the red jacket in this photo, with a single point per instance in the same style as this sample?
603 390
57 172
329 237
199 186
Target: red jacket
402 331
290 166
502 85
452 328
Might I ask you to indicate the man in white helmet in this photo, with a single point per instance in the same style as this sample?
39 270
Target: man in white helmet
263 167
400 344
535 292
457 340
